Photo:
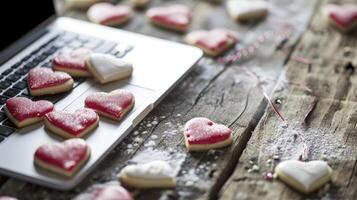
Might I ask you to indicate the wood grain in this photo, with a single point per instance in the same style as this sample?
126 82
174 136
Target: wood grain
330 133
226 94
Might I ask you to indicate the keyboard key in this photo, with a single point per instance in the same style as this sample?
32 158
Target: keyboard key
3 100
105 47
7 72
5 84
67 36
93 43
2 116
6 131
40 58
21 71
13 78
75 44
20 85
16 65
11 92
30 65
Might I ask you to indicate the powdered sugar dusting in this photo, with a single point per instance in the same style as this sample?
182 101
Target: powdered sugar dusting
113 103
65 155
73 123
22 108
204 131
41 77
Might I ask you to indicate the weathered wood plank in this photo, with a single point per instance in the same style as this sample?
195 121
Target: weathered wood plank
224 94
331 128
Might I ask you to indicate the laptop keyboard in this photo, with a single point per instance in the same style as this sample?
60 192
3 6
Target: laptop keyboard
13 81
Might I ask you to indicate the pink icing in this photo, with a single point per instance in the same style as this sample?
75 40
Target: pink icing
73 123
65 155
41 77
344 15
175 15
105 12
106 192
22 108
214 40
73 60
204 131
113 103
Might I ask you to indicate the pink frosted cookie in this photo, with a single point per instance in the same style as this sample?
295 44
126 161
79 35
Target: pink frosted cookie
23 111
114 105
73 62
109 14
203 134
64 158
175 17
212 42
105 192
42 81
343 16
72 125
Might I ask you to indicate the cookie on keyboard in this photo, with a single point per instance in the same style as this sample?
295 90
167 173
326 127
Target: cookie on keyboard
247 10
64 158
212 42
43 81
109 14
342 16
155 174
203 134
174 17
23 111
72 125
107 68
114 105
73 62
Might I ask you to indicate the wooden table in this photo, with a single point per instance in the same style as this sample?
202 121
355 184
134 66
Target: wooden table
229 95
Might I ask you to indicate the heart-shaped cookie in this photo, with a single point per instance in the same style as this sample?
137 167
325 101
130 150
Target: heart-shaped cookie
105 192
73 62
203 134
212 42
155 174
107 68
63 158
304 176
343 16
247 10
72 125
43 81
109 14
23 111
174 17
113 105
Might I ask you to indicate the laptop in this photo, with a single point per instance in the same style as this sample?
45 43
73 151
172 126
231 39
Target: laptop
158 66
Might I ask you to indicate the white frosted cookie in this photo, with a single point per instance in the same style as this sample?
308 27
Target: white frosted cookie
305 177
247 10
106 68
80 4
155 174
140 3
